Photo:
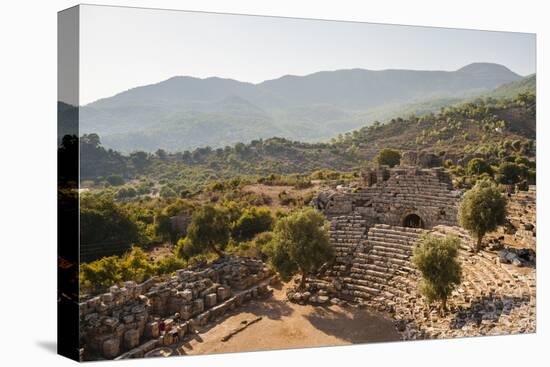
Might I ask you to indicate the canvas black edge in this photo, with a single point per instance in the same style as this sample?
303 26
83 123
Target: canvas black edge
68 344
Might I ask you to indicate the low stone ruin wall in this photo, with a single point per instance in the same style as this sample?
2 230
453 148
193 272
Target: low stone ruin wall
133 319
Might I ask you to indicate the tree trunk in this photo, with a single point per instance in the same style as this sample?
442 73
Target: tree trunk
302 285
478 243
218 251
443 306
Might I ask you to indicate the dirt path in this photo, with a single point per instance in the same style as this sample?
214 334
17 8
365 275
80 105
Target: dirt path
288 325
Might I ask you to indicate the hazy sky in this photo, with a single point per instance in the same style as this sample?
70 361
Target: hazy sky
122 48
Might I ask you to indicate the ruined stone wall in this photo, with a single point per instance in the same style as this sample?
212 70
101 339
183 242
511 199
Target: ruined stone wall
397 193
179 223
128 319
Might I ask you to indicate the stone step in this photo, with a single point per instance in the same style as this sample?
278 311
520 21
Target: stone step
400 231
389 259
390 247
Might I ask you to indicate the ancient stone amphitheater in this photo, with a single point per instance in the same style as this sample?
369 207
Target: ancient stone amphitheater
374 230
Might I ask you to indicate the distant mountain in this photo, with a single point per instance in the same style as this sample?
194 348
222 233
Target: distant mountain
185 112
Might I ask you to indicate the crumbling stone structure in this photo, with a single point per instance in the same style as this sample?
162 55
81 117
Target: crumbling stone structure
132 320
404 196
179 223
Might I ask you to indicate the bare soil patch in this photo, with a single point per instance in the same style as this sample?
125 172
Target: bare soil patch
288 325
274 191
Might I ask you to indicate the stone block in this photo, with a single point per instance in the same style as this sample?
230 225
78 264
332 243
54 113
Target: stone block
186 312
198 306
131 338
210 300
110 321
111 348
128 319
223 293
152 329
187 295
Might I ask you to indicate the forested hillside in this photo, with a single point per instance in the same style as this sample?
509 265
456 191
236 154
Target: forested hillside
185 113
481 128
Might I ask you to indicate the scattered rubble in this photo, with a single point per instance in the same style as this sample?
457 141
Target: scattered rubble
517 257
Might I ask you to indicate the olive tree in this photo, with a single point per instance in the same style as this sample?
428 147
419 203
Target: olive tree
437 260
209 230
482 210
388 157
300 244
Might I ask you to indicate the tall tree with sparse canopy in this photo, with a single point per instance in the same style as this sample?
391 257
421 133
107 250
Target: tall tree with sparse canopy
437 260
482 210
209 230
388 157
300 244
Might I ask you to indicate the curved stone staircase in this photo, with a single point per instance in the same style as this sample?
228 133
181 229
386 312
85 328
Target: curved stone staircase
492 299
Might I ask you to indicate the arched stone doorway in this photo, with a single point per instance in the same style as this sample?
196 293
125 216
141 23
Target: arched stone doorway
413 221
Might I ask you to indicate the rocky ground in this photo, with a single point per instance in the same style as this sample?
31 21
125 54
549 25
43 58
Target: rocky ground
289 325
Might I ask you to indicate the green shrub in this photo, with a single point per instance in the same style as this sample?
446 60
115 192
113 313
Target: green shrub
102 221
100 274
388 157
169 264
136 266
252 221
478 166
437 260
482 210
509 173
115 180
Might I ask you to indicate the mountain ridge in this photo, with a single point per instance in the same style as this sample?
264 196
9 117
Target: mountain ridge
191 112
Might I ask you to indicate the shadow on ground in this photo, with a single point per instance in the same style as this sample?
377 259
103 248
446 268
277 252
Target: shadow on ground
343 324
489 307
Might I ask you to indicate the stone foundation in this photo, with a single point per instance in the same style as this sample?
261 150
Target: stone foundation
133 319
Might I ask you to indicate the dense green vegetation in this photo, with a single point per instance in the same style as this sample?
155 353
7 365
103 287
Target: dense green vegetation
510 90
134 265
